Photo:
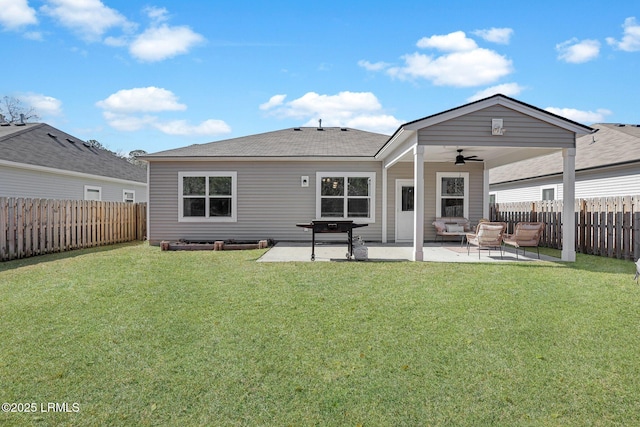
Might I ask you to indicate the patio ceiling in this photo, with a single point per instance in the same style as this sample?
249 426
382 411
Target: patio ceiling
492 156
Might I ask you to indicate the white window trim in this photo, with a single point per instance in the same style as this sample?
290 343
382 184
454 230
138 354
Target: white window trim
94 188
439 176
207 174
549 187
124 195
372 194
494 194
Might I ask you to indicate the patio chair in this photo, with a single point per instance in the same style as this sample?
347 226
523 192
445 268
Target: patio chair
525 235
488 235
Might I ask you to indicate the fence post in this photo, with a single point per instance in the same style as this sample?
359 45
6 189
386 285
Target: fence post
636 235
4 225
582 227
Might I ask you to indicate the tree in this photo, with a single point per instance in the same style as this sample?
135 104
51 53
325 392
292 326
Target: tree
11 108
133 157
95 143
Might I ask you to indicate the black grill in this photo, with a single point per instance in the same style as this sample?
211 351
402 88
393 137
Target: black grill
332 227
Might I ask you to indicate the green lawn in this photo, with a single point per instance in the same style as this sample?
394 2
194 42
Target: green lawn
136 336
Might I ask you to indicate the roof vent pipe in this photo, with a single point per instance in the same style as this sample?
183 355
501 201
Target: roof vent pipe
320 124
22 123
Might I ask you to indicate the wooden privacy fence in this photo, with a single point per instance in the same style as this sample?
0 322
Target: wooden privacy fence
31 227
606 226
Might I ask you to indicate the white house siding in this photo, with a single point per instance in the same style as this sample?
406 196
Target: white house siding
270 200
605 182
404 170
471 130
19 182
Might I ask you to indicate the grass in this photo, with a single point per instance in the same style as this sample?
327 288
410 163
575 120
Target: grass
136 336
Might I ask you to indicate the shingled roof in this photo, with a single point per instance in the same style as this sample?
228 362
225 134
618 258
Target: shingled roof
292 142
39 144
613 144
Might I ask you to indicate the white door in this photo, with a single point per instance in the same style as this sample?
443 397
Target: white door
404 210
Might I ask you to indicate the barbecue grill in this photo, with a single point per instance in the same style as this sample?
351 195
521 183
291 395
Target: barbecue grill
331 227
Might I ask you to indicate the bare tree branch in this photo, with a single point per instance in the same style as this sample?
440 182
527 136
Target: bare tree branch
11 108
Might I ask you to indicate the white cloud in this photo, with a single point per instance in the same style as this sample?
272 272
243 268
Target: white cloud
33 35
89 18
344 104
162 42
116 41
631 39
376 66
43 105
182 127
381 123
460 69
128 123
590 117
463 63
16 13
144 99
351 109
274 101
122 112
578 52
452 42
156 14
508 89
495 35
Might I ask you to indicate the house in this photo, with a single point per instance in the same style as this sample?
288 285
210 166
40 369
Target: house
40 161
260 186
607 164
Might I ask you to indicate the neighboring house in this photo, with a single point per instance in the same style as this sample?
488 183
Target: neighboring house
40 161
607 164
260 186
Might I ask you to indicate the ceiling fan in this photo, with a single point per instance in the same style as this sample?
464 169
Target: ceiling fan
460 159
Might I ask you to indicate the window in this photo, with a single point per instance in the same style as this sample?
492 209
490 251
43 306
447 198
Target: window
128 196
548 193
207 196
452 194
92 193
345 195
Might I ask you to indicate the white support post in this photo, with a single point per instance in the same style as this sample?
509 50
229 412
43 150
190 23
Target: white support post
568 205
385 200
418 208
485 194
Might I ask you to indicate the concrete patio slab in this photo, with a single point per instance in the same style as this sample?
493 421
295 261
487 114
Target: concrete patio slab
433 252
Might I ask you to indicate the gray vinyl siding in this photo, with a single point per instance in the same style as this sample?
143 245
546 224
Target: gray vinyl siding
474 129
270 200
404 170
18 182
606 182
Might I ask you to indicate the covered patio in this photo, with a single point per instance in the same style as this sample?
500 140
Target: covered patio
478 136
390 252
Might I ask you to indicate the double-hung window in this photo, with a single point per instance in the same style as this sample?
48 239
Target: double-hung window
548 193
91 192
207 196
452 194
345 195
128 196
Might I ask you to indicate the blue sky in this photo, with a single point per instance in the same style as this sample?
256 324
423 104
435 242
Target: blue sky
161 75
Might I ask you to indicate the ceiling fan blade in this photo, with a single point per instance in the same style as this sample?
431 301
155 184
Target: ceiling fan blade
460 159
